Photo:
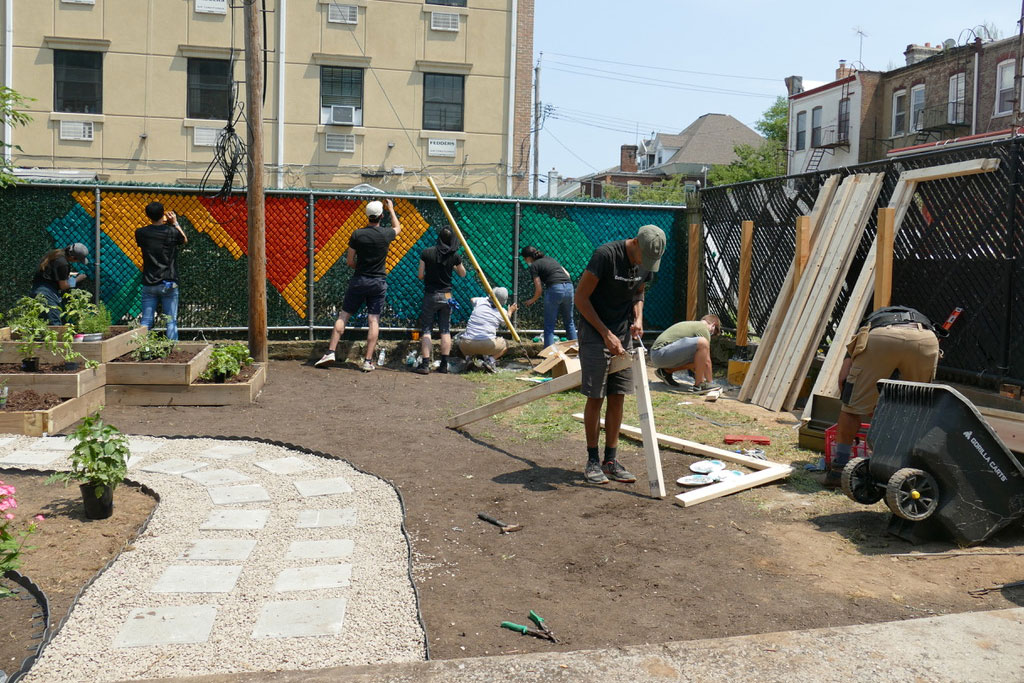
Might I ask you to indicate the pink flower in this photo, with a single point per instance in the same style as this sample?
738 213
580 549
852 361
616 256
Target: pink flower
8 516
39 518
8 503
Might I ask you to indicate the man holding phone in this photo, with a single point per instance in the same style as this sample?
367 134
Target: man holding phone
159 243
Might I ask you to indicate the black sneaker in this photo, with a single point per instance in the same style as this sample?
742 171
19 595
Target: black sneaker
443 367
614 470
423 368
593 474
702 388
666 377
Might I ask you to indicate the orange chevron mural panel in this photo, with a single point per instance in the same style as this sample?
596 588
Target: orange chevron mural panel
224 222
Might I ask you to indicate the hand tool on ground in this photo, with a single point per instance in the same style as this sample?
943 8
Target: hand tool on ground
539 620
740 438
505 528
544 632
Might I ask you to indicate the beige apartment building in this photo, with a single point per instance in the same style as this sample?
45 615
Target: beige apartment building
384 92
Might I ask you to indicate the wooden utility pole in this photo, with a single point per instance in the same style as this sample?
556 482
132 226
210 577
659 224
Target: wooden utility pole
254 182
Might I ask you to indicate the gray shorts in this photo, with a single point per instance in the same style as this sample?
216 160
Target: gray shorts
680 352
597 383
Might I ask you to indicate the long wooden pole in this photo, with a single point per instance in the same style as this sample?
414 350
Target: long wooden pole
254 182
803 247
883 257
743 302
692 271
472 259
645 413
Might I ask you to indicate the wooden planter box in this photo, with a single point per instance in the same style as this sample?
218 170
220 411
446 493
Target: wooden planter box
101 351
39 422
66 385
242 393
162 373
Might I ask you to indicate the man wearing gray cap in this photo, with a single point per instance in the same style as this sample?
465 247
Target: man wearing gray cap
367 254
54 276
610 298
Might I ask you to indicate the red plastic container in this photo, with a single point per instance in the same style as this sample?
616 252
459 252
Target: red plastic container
860 444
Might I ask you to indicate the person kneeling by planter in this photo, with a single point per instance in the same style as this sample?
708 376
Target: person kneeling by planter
686 346
99 462
480 337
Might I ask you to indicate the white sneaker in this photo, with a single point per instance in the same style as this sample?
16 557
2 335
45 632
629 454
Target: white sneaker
367 366
327 359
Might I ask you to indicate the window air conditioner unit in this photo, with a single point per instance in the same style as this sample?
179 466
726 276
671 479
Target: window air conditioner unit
205 137
444 21
343 115
340 142
342 14
76 130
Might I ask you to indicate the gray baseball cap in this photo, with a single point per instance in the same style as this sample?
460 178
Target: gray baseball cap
651 239
77 252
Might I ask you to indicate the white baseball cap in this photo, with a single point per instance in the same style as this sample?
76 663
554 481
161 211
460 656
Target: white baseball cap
374 209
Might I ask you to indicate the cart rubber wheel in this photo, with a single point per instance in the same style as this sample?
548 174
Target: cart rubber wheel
912 494
857 483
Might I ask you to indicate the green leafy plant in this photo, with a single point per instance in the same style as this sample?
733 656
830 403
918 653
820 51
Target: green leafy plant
12 543
152 344
28 323
78 305
100 458
94 323
227 360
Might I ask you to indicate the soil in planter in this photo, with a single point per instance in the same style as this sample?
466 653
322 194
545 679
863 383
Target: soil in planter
31 400
69 549
44 369
176 356
243 376
114 331
19 628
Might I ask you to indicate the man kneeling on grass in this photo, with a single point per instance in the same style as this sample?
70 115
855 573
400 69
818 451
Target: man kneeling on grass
480 337
686 346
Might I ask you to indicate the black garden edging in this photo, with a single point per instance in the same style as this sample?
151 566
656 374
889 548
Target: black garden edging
30 589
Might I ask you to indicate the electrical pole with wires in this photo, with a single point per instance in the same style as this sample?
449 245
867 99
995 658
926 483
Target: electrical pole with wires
254 182
536 129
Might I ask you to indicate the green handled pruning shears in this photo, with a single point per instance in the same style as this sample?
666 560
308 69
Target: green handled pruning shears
544 631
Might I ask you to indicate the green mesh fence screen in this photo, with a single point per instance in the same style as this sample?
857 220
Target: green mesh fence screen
213 266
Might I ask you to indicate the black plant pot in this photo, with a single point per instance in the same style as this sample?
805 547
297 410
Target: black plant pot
30 364
220 377
71 366
97 508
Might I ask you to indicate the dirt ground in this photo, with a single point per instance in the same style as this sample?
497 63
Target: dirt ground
605 566
64 554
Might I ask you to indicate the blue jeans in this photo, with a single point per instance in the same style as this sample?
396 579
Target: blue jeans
167 295
54 298
558 302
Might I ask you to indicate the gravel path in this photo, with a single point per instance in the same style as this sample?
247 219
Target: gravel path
348 580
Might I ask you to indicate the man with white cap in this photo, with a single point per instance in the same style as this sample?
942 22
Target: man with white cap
610 298
367 254
481 335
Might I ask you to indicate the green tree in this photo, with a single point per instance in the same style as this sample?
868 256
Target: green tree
766 160
10 101
774 123
668 191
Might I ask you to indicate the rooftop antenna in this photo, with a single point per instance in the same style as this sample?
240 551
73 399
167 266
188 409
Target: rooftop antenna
860 32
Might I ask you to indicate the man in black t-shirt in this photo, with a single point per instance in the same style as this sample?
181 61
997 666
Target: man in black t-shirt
436 266
54 277
367 254
610 297
159 243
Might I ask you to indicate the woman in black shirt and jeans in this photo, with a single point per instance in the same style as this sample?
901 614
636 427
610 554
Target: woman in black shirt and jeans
54 276
553 280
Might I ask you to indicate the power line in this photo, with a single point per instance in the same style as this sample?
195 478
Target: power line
581 159
673 85
664 68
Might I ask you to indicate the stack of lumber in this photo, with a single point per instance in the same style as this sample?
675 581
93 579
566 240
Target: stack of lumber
794 341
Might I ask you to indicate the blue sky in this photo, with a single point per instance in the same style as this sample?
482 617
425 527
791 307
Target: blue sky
595 51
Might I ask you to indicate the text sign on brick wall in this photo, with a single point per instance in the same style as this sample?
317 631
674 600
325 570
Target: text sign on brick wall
212 6
437 147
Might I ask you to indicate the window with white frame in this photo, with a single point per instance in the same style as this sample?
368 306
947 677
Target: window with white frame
341 95
1004 87
816 127
899 113
801 131
955 109
917 107
843 127
342 14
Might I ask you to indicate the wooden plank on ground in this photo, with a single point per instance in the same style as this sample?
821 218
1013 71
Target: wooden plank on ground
1007 424
883 257
743 298
692 271
771 330
645 413
559 384
724 488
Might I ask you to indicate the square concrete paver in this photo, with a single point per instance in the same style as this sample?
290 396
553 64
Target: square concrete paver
7 440
229 495
197 579
300 618
322 487
166 626
30 457
289 465
318 519
317 550
314 578
54 443
217 477
134 461
236 520
143 446
225 452
228 549
174 466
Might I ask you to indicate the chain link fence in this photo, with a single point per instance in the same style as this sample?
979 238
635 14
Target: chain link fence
958 246
306 242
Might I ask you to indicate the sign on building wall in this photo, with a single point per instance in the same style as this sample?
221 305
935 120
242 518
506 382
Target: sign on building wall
212 6
437 147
